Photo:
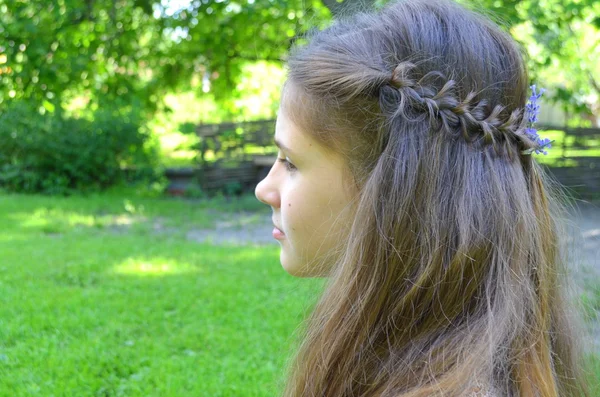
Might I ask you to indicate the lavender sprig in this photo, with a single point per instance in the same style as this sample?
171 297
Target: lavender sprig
532 109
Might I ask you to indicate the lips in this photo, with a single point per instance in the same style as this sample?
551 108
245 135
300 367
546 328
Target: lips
277 232
277 227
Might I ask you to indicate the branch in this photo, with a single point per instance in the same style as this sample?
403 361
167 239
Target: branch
593 82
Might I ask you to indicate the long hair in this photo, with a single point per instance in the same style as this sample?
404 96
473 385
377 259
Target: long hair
453 275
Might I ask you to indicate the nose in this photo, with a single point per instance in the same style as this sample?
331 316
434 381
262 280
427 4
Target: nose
267 191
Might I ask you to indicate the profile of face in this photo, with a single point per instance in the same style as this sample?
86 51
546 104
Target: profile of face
311 205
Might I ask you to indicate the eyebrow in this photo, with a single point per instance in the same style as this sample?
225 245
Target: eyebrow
280 145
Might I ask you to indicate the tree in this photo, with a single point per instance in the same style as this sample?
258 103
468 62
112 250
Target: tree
138 50
562 38
135 51
49 49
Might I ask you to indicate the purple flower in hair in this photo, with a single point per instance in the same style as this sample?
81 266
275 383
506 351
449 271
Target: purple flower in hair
533 108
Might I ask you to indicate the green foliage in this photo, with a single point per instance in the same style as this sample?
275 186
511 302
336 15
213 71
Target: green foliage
54 50
217 41
232 188
194 191
51 48
562 40
109 49
56 155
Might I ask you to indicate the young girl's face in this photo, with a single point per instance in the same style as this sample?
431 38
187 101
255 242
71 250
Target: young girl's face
311 206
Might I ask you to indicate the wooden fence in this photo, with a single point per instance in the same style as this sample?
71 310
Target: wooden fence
231 141
242 154
578 164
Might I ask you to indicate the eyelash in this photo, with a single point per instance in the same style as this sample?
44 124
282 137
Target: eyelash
289 166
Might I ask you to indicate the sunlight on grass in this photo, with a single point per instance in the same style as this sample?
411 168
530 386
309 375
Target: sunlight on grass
153 267
57 220
44 217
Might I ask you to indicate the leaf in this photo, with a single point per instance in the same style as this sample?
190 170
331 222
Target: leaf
48 106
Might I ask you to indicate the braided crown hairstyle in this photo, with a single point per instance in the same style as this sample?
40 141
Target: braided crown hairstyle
453 271
470 118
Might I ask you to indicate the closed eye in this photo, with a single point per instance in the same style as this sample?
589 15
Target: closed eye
288 166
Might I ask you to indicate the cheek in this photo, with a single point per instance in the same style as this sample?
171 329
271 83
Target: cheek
288 208
296 211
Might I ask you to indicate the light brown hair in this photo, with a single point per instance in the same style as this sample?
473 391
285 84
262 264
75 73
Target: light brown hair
453 273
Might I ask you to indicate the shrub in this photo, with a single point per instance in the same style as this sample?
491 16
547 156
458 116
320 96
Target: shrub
55 155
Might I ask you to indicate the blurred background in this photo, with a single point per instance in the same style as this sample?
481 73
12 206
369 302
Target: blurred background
134 258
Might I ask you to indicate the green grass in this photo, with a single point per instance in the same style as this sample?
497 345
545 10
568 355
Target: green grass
95 303
593 365
590 306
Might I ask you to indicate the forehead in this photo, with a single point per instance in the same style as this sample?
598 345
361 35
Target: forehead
293 137
315 117
299 120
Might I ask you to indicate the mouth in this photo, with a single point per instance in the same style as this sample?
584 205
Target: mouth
275 225
277 233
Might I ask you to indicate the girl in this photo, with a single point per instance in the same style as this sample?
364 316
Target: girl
406 177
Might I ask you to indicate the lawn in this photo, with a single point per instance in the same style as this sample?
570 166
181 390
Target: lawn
95 302
99 301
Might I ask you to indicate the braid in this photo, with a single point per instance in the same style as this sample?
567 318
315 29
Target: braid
403 95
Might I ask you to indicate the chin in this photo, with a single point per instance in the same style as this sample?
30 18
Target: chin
299 273
293 269
298 270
